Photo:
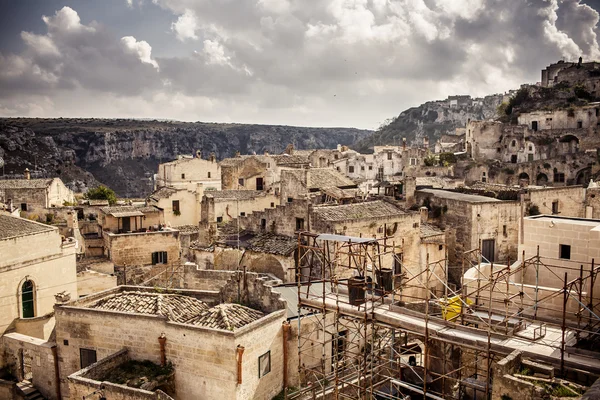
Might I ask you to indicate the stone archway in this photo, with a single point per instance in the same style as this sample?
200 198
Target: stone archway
524 179
268 264
583 176
541 179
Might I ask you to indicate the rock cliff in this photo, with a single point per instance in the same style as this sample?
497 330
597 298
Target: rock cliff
124 154
432 119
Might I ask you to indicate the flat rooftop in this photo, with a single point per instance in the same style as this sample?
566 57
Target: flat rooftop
470 198
565 220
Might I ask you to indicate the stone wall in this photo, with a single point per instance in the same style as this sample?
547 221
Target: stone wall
34 199
570 200
42 361
507 385
41 258
86 381
204 359
136 248
89 282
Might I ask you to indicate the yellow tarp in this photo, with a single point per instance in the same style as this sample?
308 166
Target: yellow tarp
452 306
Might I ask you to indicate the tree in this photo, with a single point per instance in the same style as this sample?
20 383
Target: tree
101 193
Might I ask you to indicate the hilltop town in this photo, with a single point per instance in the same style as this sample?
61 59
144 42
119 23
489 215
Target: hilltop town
458 261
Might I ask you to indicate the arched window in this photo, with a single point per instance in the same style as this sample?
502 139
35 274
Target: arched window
27 299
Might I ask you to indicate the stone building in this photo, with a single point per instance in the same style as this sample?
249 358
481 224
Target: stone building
451 143
249 172
576 118
31 195
260 252
137 242
299 183
36 264
179 206
220 206
474 222
573 73
218 349
188 170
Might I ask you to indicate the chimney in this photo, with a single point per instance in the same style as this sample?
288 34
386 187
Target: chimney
404 144
237 154
212 157
27 174
198 153
266 152
424 214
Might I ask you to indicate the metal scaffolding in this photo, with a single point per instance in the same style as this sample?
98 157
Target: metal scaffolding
371 327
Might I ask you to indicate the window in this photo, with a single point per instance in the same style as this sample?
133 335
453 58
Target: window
23 206
370 168
209 174
413 161
219 219
504 230
159 257
579 124
87 357
264 364
242 214
498 150
175 205
534 125
530 148
338 168
555 207
289 199
263 224
182 176
389 156
27 300
272 204
441 247
362 167
351 169
299 224
565 252
66 342
514 143
559 177
335 156
513 159
241 181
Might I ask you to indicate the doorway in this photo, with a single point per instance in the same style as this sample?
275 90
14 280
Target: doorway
259 184
126 224
488 249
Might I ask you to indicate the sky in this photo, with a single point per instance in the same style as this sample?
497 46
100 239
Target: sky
293 62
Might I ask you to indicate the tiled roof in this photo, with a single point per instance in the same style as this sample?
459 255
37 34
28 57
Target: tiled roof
234 194
174 307
122 210
98 203
273 244
338 193
14 226
226 316
321 177
469 198
24 183
428 230
286 159
369 209
232 161
163 193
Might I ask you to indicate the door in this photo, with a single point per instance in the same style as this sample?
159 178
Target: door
488 249
27 299
126 224
534 125
259 183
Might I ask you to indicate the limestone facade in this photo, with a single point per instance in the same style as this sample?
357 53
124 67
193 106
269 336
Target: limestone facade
186 170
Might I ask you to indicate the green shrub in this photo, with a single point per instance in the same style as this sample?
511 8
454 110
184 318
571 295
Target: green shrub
533 210
101 193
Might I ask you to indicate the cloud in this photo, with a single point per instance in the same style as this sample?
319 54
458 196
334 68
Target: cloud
142 49
315 62
186 25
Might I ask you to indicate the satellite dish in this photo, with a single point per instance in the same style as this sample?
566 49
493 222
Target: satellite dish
1 162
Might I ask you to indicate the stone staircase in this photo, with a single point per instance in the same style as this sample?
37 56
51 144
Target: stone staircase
29 391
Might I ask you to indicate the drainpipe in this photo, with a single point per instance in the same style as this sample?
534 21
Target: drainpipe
56 372
286 332
162 341
240 351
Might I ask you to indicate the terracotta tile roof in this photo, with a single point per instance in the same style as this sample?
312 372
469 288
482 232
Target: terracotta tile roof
175 307
338 193
355 211
14 226
320 177
233 194
130 210
273 244
25 183
428 230
286 159
226 316
162 193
